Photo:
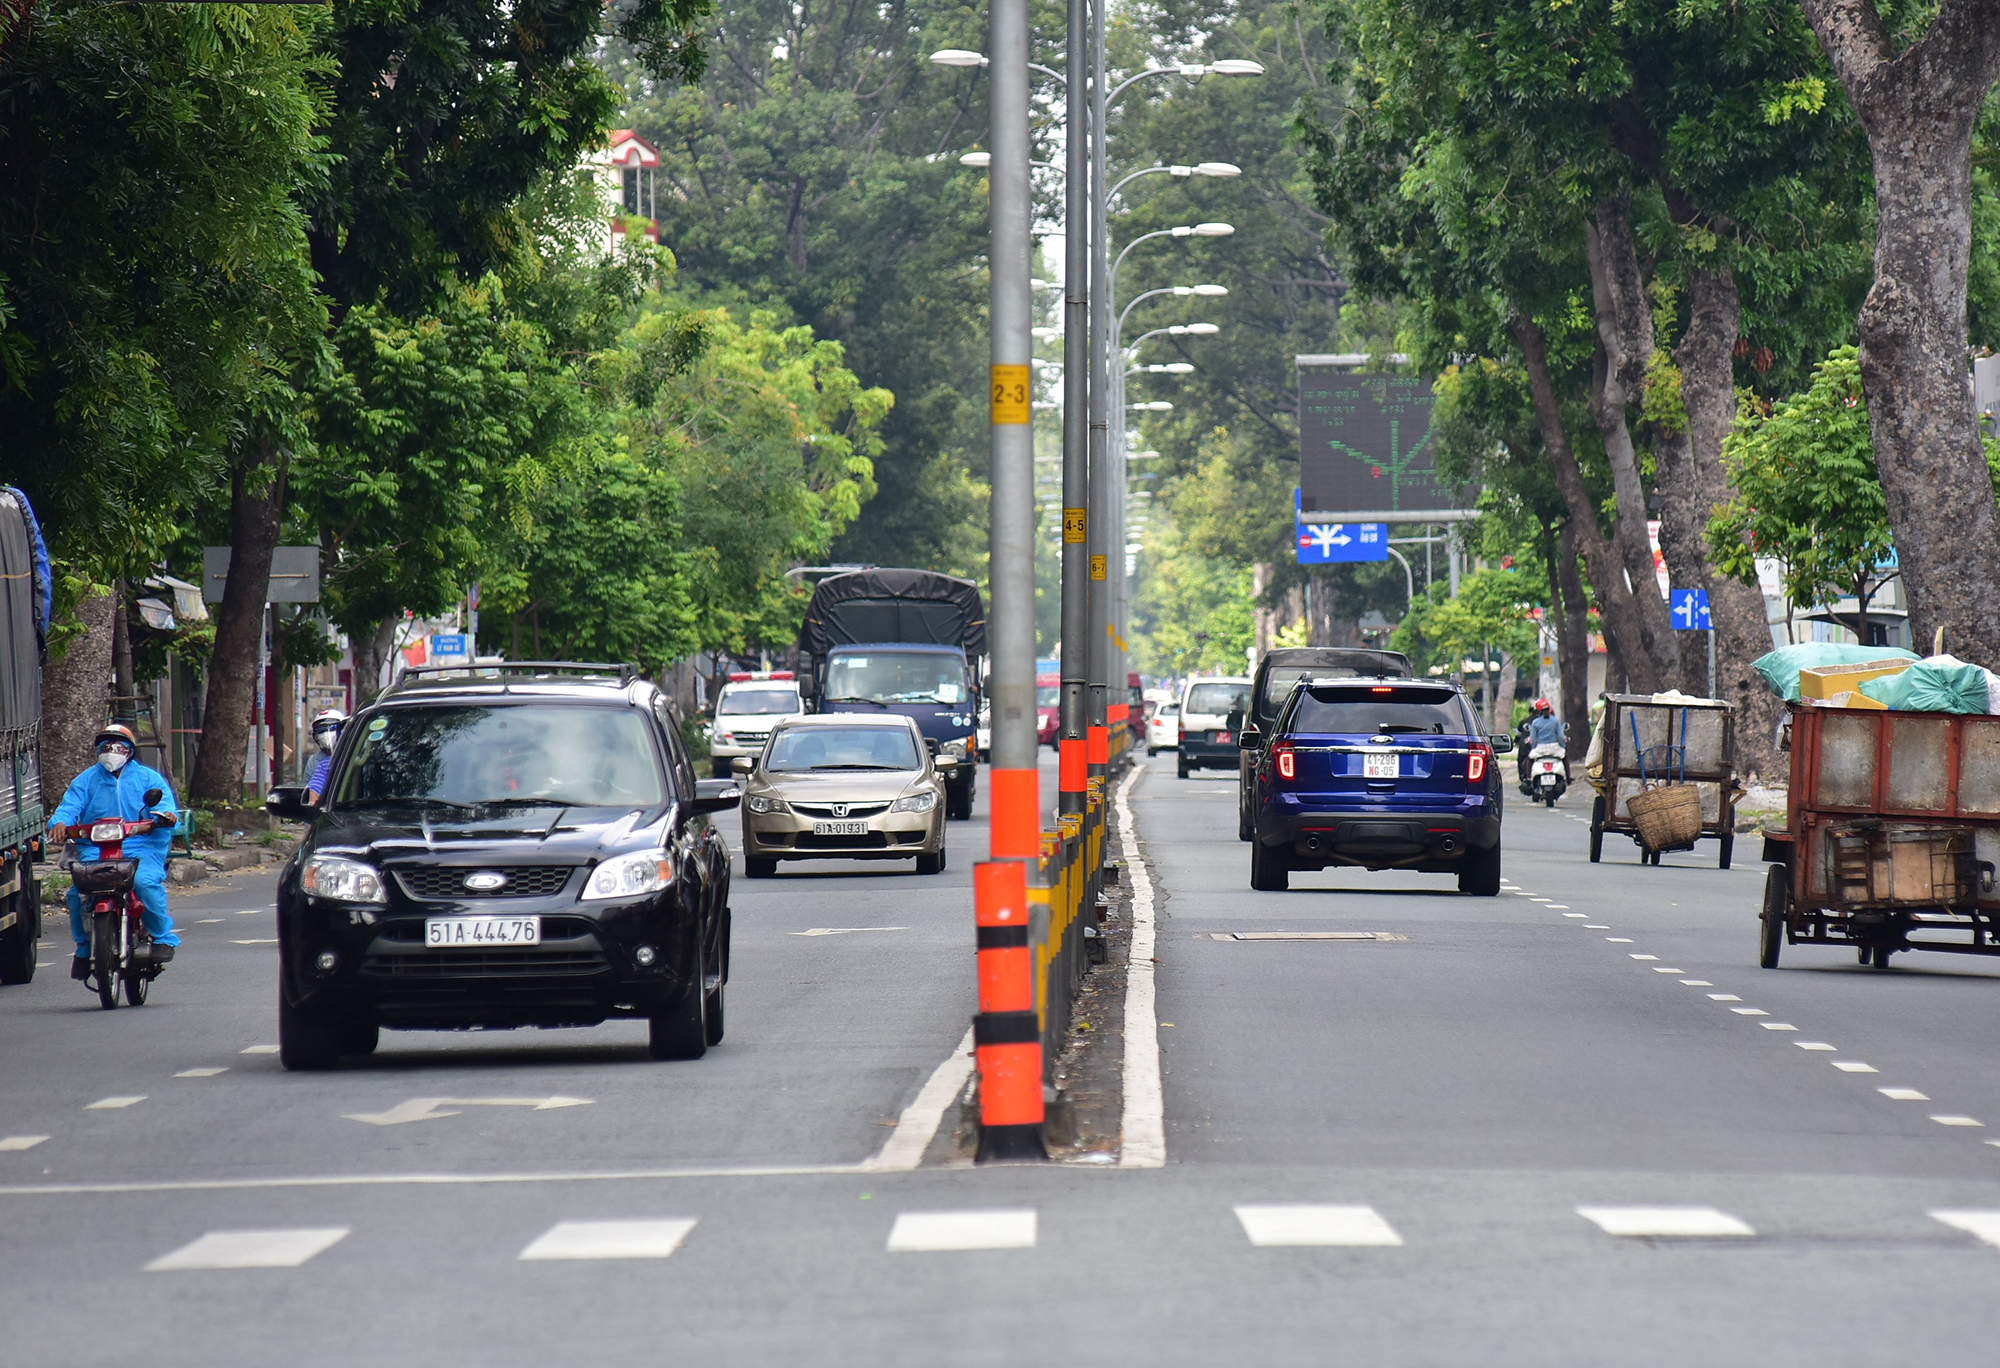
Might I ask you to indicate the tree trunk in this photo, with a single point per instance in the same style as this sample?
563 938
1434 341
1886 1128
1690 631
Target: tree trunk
1573 644
239 629
1625 343
371 648
1918 108
1615 602
76 698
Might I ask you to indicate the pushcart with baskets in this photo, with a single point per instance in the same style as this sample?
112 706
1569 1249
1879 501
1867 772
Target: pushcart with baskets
1892 835
1662 770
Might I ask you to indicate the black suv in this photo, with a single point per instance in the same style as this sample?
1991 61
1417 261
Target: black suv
519 845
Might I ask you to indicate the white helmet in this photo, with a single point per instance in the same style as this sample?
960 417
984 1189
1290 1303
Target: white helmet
326 727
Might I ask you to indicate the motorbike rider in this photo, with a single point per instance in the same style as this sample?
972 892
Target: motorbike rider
1544 727
325 731
116 787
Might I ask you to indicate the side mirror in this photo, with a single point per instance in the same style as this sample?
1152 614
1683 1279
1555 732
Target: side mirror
151 796
742 764
1235 719
289 802
1501 744
716 795
1249 739
806 683
945 762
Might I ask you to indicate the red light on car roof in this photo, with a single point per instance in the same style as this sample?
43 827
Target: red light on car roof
781 674
738 676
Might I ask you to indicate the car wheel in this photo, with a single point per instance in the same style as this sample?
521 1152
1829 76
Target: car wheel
757 868
1270 868
958 801
306 1043
931 864
1181 768
1480 874
359 1037
681 1031
1246 830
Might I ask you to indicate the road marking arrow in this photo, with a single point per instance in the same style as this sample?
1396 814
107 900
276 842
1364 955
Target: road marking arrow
428 1108
846 930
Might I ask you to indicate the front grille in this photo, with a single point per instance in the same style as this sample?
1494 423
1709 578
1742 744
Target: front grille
825 810
749 738
527 963
446 883
873 840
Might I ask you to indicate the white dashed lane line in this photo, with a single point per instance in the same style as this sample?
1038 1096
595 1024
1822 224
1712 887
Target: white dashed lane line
205 1071
1852 1066
609 1240
114 1103
1812 1044
928 1232
1670 1222
258 1049
20 1142
249 1249
1277 1226
1955 1120
1902 1094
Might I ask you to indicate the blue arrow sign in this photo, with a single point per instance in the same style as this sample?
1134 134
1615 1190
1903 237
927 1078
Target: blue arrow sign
1689 610
1334 543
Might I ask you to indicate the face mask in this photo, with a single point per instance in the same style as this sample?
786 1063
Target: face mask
112 760
326 740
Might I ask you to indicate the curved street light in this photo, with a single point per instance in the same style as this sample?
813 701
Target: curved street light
1219 169
1207 230
1151 406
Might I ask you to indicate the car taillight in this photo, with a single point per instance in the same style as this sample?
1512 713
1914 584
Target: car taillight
1476 762
1287 762
1181 732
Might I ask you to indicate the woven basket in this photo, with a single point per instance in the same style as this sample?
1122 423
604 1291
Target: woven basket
1667 815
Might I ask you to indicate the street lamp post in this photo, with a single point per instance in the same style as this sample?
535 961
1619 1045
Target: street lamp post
1073 704
1006 1033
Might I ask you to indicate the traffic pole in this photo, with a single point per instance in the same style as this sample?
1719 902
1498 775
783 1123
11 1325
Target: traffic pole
1078 229
1007 1032
1096 749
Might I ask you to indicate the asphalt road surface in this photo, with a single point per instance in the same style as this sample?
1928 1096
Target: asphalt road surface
1575 1124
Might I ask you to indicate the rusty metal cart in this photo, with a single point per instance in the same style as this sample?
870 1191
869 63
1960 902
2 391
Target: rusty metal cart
1681 739
1892 834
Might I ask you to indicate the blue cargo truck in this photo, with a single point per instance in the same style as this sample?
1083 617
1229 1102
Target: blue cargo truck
24 623
901 641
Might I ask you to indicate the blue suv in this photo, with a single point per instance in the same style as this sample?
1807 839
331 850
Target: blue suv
1382 773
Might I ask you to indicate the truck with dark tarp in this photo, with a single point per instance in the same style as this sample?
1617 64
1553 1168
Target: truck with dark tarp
25 586
901 641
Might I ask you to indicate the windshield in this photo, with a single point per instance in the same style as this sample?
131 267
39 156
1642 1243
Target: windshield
1378 710
843 748
1048 695
1278 681
1217 699
522 753
758 701
893 677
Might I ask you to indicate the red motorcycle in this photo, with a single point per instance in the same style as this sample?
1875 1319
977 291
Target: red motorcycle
120 949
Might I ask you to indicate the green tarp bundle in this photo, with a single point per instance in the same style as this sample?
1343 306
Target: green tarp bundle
1781 667
1940 684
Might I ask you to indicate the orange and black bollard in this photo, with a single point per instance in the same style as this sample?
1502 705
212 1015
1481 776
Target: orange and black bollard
1006 1035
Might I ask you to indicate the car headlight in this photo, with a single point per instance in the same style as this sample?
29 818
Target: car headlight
759 803
915 802
954 748
645 871
330 876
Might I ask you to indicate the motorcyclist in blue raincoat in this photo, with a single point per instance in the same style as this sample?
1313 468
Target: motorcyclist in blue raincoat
116 787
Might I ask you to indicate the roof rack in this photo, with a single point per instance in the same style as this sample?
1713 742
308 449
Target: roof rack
520 669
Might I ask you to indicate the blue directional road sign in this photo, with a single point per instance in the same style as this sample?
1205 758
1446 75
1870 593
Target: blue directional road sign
449 644
1689 610
1330 543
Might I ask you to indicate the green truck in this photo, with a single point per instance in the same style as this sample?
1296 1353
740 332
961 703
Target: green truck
24 621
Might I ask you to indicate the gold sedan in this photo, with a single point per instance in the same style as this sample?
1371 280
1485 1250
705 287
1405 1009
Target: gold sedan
844 786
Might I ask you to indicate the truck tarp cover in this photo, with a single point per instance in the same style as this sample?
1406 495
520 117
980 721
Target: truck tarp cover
865 607
21 654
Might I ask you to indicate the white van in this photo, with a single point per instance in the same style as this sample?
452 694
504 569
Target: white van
1205 739
745 711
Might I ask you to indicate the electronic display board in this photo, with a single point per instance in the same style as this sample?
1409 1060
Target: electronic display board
1366 445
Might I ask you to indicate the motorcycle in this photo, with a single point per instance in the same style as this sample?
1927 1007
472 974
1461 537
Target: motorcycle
120 950
1548 771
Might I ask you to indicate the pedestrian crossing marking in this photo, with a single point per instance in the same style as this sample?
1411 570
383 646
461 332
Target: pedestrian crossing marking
1281 1226
941 1231
629 1239
249 1249
1679 1222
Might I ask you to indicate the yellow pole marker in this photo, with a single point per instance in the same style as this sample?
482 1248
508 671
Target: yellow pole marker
1010 394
